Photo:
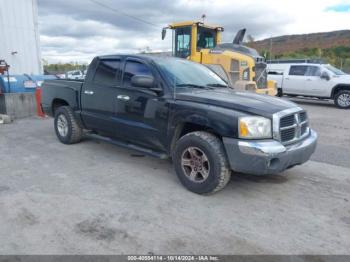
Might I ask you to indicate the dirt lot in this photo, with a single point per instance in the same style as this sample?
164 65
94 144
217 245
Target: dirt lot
95 198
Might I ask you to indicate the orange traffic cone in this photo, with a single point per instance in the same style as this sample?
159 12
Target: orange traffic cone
39 109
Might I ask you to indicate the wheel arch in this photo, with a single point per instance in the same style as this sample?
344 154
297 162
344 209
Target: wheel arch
186 127
339 87
56 103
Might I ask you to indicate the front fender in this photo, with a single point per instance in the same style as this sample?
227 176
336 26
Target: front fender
222 121
338 87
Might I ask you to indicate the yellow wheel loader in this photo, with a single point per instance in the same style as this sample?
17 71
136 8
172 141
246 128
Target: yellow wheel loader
244 68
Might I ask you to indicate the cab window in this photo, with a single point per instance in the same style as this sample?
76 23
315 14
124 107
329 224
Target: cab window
108 72
182 42
206 38
297 70
134 68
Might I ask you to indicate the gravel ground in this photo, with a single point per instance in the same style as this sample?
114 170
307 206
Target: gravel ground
95 198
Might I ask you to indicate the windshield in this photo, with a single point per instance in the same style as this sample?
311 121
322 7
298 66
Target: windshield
334 70
183 73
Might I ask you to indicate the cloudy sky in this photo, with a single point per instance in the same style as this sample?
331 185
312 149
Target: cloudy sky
77 30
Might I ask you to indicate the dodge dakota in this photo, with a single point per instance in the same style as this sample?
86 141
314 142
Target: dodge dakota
174 108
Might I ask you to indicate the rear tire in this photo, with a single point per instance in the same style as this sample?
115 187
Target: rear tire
342 99
200 163
279 92
67 129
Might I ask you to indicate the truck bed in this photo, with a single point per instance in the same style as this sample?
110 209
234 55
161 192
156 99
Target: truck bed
67 90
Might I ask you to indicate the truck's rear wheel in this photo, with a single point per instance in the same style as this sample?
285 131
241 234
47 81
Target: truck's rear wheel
67 128
342 99
200 163
279 92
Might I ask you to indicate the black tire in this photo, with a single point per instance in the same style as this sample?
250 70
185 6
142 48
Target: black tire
279 92
219 173
341 95
73 132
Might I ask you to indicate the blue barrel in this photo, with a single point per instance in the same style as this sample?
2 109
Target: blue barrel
14 84
22 83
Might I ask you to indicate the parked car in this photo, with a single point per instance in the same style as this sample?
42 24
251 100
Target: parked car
174 108
310 78
76 74
61 76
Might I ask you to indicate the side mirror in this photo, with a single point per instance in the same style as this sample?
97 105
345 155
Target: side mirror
142 81
325 75
164 32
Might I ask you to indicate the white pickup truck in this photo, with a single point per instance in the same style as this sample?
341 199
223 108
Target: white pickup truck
310 78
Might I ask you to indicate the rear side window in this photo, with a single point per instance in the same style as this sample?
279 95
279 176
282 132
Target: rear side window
108 72
297 70
134 68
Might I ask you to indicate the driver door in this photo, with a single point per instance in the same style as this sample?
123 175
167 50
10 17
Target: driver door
182 42
314 84
141 112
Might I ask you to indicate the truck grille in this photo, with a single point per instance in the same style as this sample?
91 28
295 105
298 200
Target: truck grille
234 71
293 128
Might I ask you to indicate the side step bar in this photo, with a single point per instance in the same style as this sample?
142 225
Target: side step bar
129 146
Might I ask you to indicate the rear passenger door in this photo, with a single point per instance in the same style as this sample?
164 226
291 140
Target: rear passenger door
142 113
98 96
294 82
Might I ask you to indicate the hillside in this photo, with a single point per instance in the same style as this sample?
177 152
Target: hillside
291 43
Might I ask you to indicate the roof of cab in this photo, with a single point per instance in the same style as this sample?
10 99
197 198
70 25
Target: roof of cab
189 23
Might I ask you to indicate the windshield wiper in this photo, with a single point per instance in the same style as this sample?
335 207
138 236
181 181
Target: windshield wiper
194 86
217 85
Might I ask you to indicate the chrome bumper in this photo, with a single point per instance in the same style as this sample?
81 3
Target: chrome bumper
261 157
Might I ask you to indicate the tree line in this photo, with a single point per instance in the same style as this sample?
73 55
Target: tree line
339 56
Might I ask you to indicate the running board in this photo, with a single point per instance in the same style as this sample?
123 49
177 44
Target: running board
129 146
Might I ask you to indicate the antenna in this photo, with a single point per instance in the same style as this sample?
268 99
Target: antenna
270 48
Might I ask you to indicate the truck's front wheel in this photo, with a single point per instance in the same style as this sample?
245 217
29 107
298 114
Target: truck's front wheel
67 128
342 99
200 163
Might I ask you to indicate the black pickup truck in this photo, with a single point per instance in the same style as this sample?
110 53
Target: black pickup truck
174 108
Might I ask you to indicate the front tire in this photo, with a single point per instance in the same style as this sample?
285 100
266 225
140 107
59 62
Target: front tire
67 129
342 99
200 163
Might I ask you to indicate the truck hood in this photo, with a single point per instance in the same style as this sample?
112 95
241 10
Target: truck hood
241 101
342 79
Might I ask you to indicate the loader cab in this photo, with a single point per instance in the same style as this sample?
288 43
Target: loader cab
189 38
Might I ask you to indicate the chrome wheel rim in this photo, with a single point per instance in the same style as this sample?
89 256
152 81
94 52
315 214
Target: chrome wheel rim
62 125
344 100
195 164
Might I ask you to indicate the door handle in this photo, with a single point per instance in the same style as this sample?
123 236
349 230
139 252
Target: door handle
124 98
88 92
287 78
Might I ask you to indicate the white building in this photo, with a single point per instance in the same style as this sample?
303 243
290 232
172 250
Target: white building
19 36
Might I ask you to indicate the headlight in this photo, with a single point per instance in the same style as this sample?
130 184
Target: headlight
254 127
